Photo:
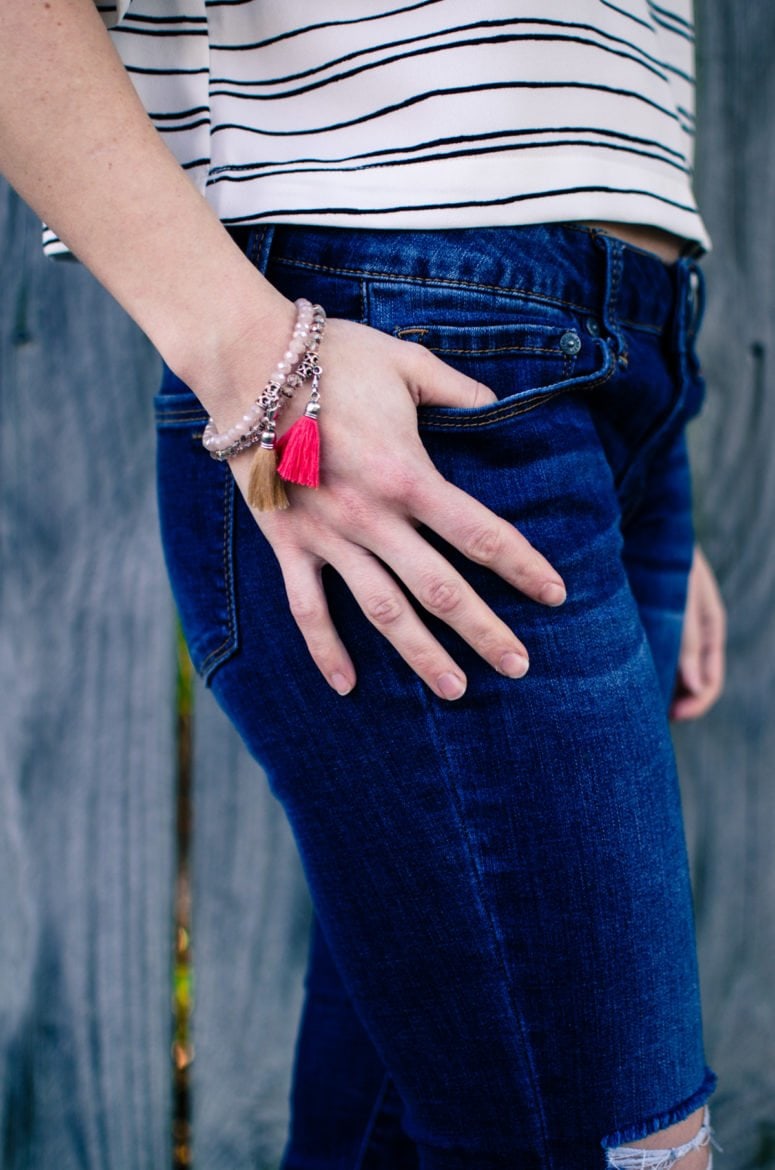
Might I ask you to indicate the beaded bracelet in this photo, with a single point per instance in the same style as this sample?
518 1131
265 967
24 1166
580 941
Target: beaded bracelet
299 447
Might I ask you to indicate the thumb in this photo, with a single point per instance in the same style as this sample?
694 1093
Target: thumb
434 383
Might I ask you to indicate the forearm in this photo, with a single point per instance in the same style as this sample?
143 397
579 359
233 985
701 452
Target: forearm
76 143
79 148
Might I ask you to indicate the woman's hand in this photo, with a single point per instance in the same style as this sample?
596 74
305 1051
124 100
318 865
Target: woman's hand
78 146
701 662
377 485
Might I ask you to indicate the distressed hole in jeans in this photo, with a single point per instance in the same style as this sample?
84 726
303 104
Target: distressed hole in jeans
642 1158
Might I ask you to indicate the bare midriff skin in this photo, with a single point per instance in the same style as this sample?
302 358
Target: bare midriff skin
653 239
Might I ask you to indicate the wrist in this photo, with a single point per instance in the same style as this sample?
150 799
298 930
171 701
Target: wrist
227 354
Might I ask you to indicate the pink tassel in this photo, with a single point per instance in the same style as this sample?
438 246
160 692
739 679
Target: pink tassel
299 451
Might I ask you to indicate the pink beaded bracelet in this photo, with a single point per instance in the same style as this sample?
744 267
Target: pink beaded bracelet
299 447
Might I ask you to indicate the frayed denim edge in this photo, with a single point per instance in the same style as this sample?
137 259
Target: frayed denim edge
635 1133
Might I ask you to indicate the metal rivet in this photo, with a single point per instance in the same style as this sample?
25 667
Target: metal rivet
593 326
570 342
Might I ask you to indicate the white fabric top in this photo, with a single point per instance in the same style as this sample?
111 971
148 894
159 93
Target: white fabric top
433 114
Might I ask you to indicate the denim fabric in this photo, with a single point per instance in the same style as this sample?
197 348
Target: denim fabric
503 972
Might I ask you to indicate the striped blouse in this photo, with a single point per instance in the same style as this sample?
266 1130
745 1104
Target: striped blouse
438 113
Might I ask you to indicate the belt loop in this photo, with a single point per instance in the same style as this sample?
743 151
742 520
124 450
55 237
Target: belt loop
260 246
614 250
697 288
689 302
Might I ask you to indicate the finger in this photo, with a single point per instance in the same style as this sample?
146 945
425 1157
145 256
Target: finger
691 702
687 707
485 538
443 592
688 701
713 621
388 609
433 383
713 658
714 668
690 671
693 705
309 608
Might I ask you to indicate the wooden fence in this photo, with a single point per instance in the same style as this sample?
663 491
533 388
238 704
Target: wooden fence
87 687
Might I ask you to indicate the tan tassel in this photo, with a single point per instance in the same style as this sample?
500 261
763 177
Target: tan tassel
266 492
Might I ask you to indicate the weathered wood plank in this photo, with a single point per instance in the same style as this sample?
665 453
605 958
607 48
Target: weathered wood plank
87 683
250 933
85 835
726 761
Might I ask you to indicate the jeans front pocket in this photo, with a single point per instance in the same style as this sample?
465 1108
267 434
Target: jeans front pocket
524 364
196 511
527 351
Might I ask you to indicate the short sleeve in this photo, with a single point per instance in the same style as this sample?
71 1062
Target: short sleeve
112 11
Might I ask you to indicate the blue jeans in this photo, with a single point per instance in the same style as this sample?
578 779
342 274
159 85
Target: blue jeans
503 972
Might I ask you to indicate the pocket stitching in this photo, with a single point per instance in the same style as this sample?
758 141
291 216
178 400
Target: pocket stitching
431 282
500 349
230 642
404 335
171 418
495 415
177 410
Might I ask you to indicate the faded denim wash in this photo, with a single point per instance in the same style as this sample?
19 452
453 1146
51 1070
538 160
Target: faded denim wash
503 972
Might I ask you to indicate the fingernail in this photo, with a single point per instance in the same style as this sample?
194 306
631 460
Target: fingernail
451 686
514 665
340 684
552 594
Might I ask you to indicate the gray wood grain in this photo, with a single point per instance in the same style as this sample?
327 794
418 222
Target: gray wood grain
250 932
727 761
87 685
86 663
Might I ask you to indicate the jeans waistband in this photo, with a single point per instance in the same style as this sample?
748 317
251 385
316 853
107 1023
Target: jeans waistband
568 264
